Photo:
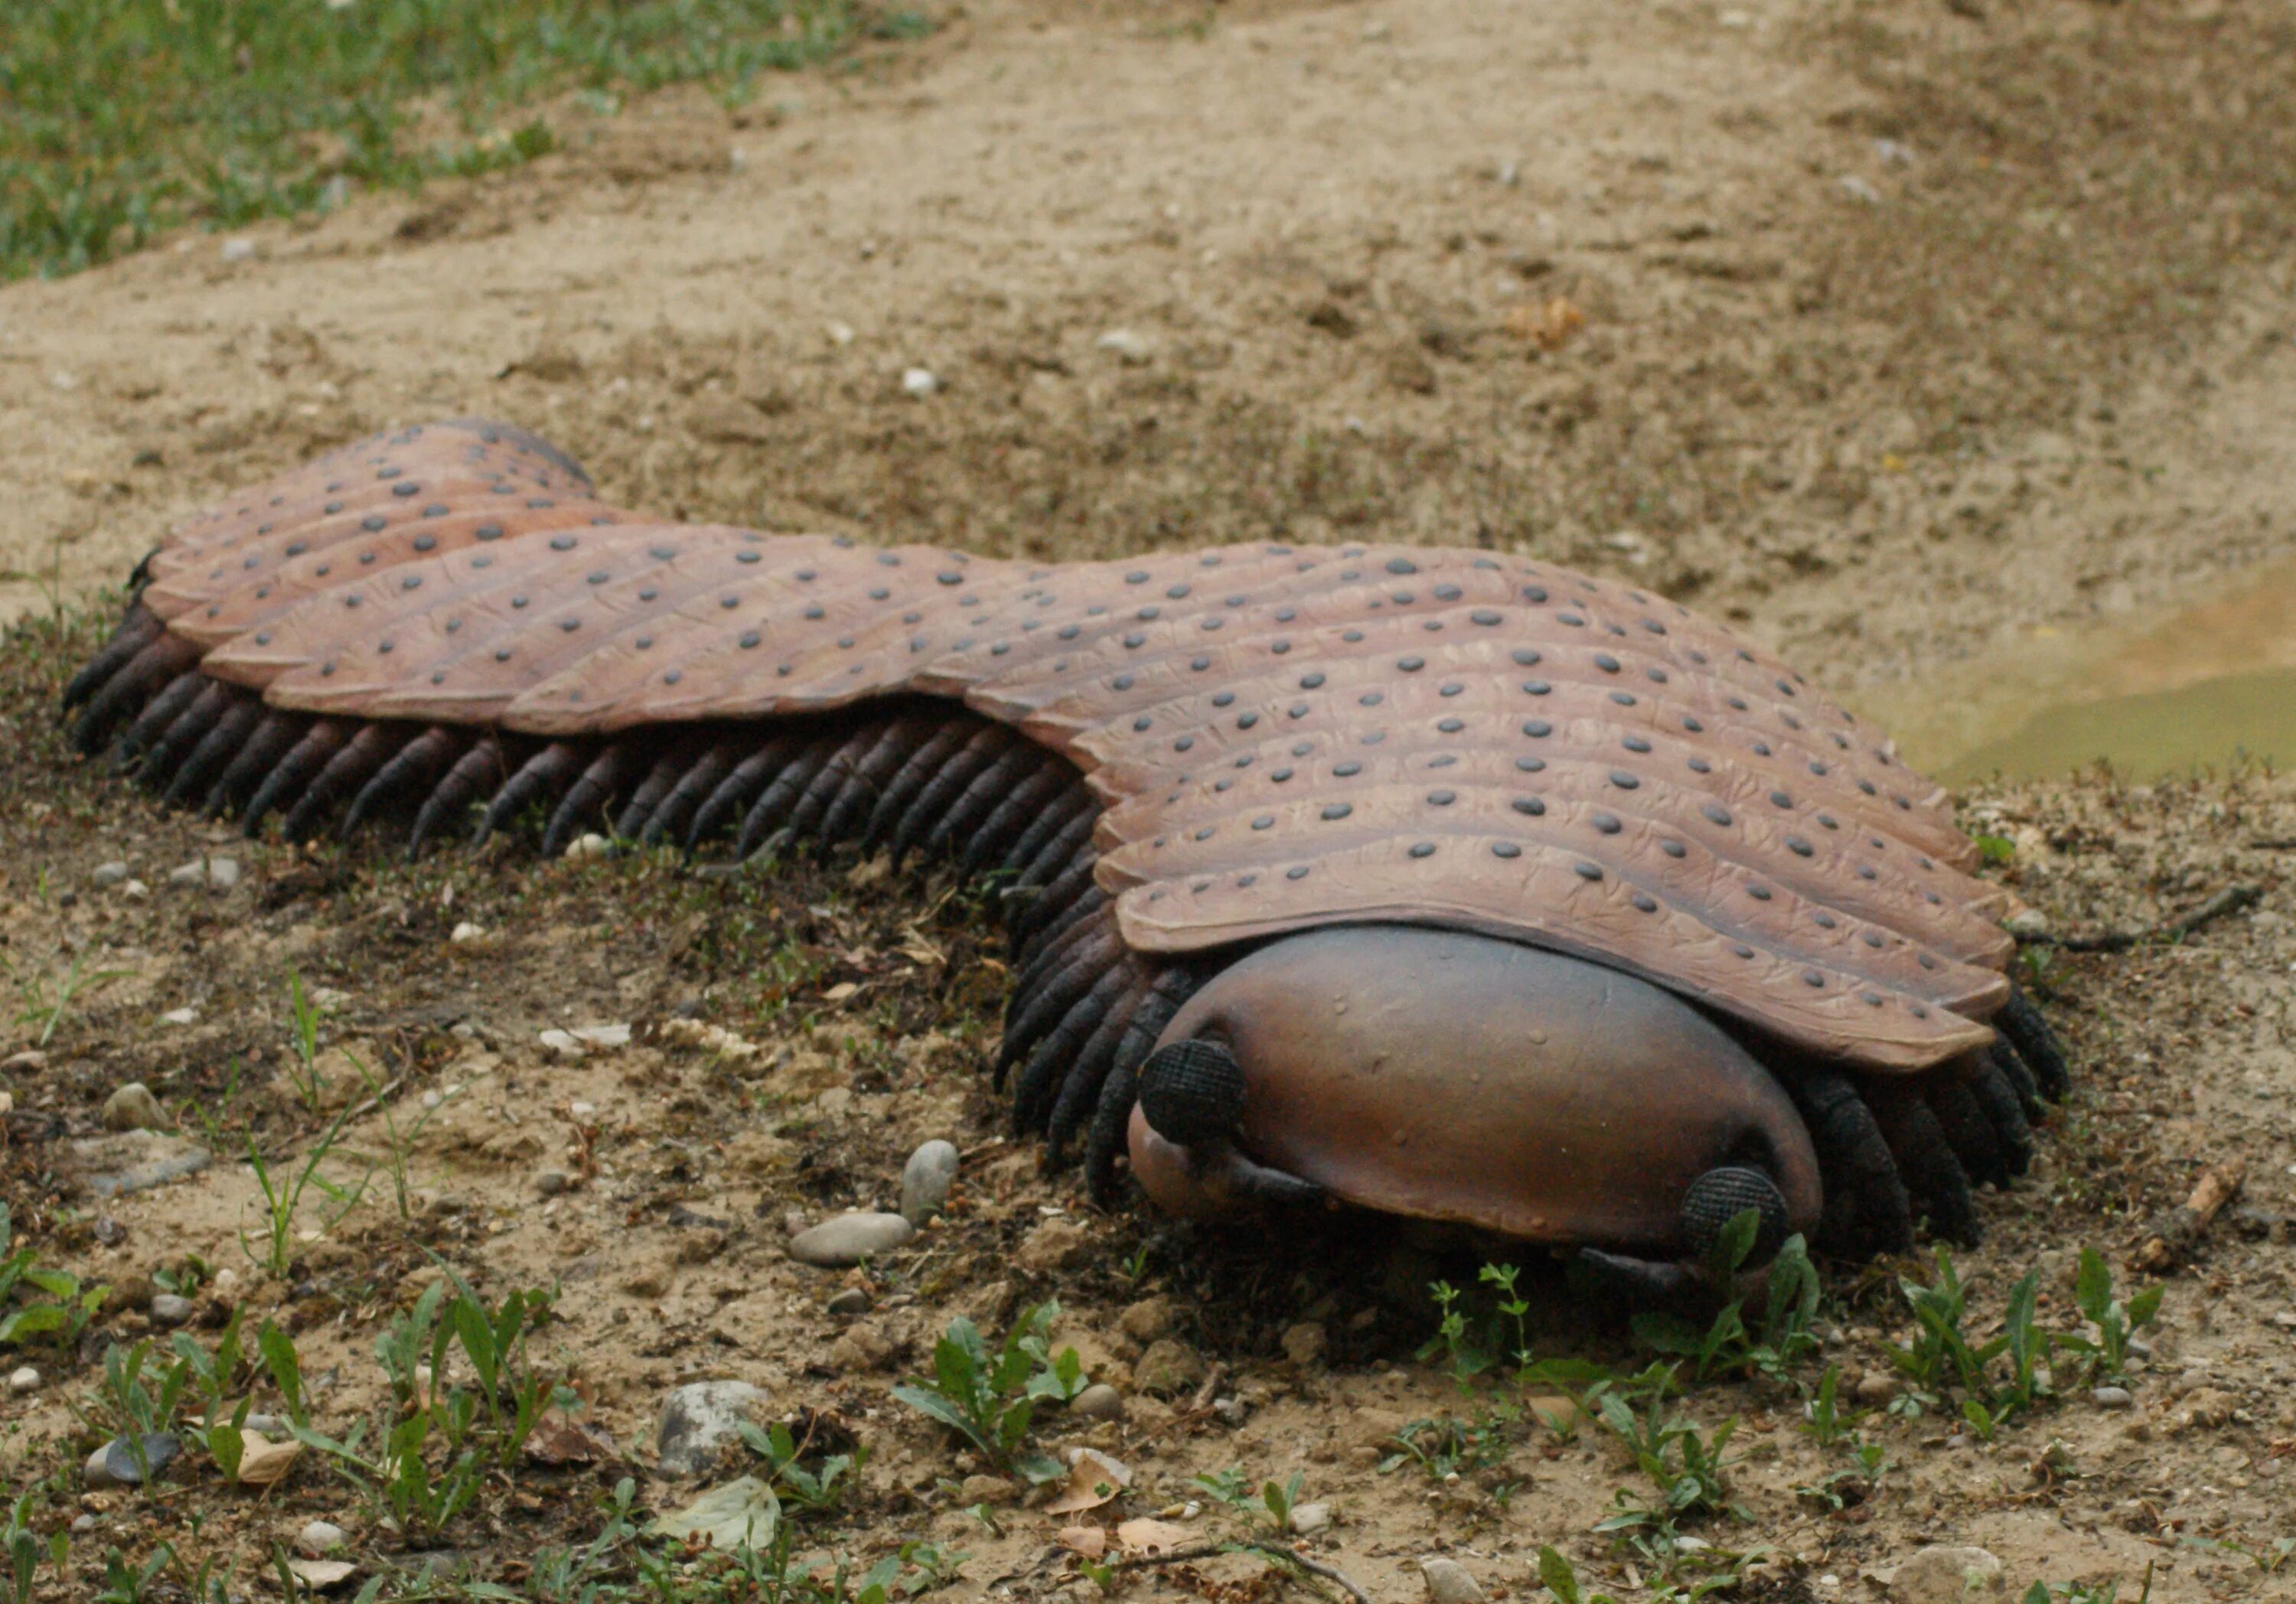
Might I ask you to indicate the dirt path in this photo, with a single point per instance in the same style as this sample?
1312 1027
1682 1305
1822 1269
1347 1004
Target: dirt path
1850 323
1341 240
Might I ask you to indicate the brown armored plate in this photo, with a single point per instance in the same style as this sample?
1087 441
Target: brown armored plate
1285 737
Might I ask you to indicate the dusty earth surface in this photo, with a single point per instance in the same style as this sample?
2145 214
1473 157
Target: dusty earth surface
1903 335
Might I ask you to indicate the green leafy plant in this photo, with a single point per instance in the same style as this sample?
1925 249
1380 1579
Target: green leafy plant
21 1550
1728 1346
991 1401
1562 1579
2084 1592
822 1487
1446 1445
284 1193
61 1313
440 1439
2104 1357
43 999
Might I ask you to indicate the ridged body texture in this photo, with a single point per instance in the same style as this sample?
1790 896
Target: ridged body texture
1270 738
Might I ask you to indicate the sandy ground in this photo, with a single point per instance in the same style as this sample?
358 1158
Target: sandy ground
1905 336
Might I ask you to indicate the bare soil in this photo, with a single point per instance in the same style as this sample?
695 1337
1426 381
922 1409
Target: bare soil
1899 334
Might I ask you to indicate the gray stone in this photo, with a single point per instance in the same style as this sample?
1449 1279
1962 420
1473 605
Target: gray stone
550 1182
849 1239
223 873
925 1180
1449 1581
316 1538
2111 1397
1308 1518
193 874
1946 1574
114 1465
108 875
23 1380
1098 1402
134 1161
700 1421
170 1309
133 1107
850 1303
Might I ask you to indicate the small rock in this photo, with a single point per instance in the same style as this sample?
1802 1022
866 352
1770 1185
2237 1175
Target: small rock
589 845
1308 1518
553 1182
850 1303
920 381
1168 1366
1876 1387
168 1309
1147 1319
134 888
849 1239
1449 1581
133 1107
1304 1344
2027 924
1135 350
108 875
701 1421
925 1180
84 1523
114 1465
1062 1244
863 1348
316 1538
989 1490
1232 1413
23 1379
223 873
1946 1575
2111 1397
178 1016
238 250
1098 1402
193 874
466 931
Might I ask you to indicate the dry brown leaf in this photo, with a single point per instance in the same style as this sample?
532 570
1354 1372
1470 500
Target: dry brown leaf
1146 1536
1093 1480
322 1574
559 1441
1546 324
1090 1541
263 1463
839 992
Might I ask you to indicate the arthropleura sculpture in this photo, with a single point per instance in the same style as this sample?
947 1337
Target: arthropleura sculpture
1436 881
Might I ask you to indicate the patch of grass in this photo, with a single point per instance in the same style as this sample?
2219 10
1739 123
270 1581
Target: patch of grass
130 117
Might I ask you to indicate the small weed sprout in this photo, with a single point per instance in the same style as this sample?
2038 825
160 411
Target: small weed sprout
991 1402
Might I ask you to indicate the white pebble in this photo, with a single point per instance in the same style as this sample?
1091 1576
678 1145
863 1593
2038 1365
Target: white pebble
466 931
24 1378
920 381
1123 342
238 250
